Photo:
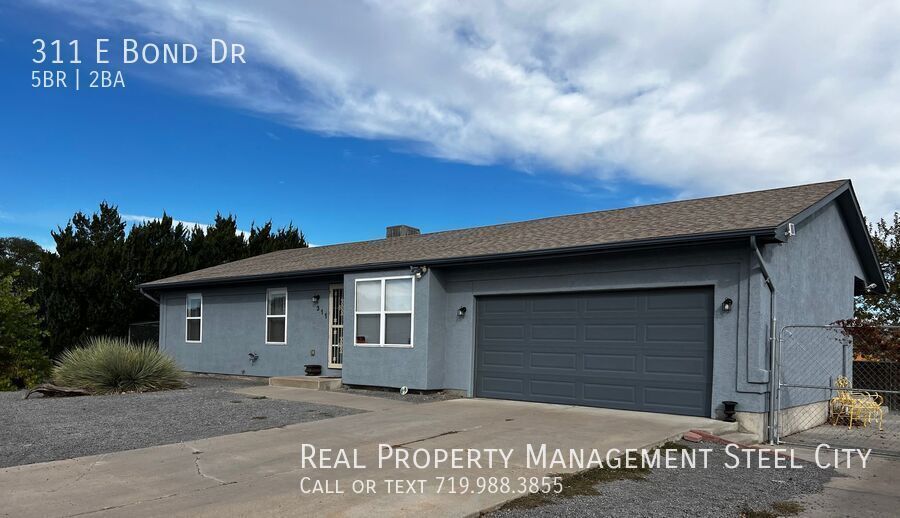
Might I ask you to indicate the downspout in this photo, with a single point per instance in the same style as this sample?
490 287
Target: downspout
773 340
144 293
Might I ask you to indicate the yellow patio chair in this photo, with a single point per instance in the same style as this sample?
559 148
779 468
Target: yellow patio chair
855 406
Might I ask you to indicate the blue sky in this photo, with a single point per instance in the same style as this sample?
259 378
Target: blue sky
350 117
149 148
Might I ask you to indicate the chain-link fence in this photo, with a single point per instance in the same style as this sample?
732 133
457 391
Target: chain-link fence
143 332
839 385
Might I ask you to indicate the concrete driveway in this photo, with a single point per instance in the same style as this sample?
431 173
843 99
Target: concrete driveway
870 492
259 473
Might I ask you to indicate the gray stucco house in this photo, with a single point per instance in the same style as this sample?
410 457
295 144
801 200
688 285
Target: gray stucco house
660 308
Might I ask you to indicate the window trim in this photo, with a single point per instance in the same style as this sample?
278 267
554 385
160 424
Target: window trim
383 313
187 300
269 292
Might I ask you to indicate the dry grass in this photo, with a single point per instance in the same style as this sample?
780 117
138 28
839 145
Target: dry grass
783 508
586 482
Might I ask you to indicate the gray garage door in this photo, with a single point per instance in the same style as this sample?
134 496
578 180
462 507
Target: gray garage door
635 350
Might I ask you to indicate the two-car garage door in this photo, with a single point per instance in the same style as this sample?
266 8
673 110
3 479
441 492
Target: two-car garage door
634 350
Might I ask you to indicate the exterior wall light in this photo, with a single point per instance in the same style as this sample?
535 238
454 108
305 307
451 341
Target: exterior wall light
418 271
727 304
315 298
461 312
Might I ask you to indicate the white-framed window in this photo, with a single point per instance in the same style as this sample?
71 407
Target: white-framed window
193 318
276 316
384 312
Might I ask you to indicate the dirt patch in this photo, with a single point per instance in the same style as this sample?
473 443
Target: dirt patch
411 396
586 482
713 490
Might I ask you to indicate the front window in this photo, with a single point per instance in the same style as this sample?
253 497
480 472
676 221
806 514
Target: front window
276 316
193 328
384 311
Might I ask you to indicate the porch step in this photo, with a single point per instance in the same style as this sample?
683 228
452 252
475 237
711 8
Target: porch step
719 427
726 436
742 438
306 382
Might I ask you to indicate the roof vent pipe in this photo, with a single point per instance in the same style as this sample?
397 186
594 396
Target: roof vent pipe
773 349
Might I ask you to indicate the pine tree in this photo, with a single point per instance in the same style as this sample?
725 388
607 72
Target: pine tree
263 241
220 243
884 309
89 286
22 360
21 258
154 250
85 290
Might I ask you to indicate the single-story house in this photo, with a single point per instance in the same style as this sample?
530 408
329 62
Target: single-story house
659 308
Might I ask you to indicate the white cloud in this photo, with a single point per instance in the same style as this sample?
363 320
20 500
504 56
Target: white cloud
700 97
134 218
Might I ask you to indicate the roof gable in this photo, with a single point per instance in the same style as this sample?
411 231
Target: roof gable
844 197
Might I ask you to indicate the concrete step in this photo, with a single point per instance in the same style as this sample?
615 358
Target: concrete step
719 427
744 438
306 382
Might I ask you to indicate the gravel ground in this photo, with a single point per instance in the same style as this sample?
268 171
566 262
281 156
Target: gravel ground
395 394
712 492
44 429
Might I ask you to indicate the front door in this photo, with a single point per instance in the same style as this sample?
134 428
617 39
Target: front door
336 326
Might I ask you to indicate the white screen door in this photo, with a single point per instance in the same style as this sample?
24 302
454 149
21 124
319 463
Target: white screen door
336 326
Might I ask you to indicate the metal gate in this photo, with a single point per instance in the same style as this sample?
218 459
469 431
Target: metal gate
839 385
144 333
336 326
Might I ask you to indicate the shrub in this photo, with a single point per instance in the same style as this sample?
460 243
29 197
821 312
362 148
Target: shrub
22 361
106 365
871 340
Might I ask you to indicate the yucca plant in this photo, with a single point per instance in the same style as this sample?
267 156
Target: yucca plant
107 365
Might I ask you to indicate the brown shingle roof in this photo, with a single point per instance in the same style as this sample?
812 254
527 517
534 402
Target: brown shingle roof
735 213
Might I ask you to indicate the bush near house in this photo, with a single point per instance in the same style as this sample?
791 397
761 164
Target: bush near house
884 308
22 361
107 365
871 340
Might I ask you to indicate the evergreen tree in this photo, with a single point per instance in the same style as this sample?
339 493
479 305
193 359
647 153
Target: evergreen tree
290 237
220 243
262 240
22 361
21 258
196 247
154 250
84 286
875 307
88 287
